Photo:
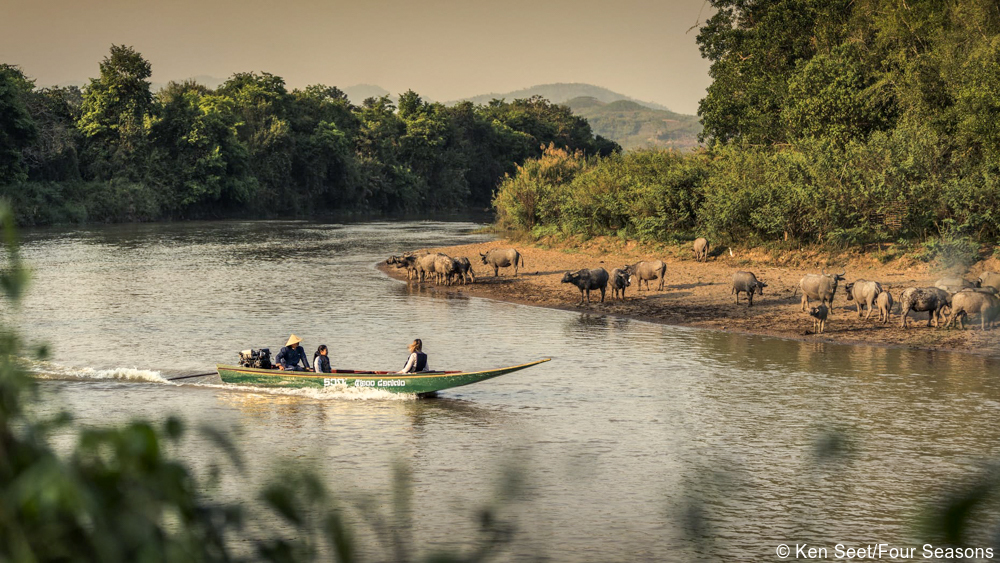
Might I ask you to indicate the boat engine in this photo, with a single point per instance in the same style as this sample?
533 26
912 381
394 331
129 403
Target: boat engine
260 359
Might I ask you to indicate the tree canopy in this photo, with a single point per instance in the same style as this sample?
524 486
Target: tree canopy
118 151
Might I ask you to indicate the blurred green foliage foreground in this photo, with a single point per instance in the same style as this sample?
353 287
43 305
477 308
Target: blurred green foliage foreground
117 495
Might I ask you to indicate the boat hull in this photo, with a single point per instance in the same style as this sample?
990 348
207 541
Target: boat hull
419 383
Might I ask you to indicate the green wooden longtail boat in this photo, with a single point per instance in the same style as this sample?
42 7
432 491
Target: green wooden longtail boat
421 383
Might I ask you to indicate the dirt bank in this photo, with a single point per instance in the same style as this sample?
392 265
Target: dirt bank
698 294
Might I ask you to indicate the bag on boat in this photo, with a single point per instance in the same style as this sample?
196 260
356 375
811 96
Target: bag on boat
260 359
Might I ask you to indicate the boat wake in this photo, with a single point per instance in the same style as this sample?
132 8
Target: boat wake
48 370
336 392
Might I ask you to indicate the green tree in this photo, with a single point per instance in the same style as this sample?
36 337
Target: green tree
17 128
755 46
260 103
195 150
115 107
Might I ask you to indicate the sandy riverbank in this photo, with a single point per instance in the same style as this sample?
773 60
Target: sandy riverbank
698 294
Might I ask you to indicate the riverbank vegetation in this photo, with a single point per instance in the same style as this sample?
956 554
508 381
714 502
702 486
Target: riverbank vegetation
842 123
116 151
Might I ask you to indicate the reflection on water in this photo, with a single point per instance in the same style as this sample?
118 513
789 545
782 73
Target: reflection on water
628 423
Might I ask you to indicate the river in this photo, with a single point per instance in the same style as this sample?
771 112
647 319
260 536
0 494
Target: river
630 430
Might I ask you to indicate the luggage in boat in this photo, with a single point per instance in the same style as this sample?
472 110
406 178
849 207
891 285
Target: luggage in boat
259 359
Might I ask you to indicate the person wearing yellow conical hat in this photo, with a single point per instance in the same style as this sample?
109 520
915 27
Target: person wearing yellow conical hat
291 355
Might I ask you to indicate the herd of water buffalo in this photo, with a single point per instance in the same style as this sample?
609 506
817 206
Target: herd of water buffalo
950 299
448 270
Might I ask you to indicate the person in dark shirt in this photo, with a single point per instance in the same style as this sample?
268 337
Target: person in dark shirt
291 355
417 360
321 360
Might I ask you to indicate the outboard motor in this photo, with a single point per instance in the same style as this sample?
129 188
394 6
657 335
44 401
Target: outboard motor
259 359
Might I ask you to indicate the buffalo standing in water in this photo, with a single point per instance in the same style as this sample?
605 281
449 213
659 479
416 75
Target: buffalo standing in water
463 269
502 258
587 280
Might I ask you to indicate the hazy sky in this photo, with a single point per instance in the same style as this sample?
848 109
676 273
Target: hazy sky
442 49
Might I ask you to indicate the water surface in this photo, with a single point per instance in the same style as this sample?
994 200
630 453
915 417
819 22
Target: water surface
630 423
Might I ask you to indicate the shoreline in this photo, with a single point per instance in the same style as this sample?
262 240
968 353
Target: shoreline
697 295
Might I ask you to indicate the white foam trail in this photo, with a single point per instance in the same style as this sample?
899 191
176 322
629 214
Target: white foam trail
336 392
48 370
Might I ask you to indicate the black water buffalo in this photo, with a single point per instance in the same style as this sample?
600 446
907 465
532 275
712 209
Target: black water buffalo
931 299
819 315
821 287
746 282
502 258
463 269
408 261
587 280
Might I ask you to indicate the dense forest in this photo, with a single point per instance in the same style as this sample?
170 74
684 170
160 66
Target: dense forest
843 122
116 151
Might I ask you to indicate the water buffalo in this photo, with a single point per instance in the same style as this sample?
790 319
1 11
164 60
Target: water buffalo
701 249
746 282
648 270
502 258
989 279
426 265
408 261
587 280
953 285
884 303
444 269
821 287
965 303
931 299
863 293
463 269
619 281
819 315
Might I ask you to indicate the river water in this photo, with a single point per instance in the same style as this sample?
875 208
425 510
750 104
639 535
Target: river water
638 442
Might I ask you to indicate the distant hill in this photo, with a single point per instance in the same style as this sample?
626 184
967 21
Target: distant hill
361 92
561 92
635 126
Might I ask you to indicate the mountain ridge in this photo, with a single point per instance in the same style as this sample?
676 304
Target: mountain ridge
559 92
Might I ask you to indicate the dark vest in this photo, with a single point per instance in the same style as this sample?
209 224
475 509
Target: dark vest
421 361
324 364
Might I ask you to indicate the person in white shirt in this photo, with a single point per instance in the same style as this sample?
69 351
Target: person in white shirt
417 360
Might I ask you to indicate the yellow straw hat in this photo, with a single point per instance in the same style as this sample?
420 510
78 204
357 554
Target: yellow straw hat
293 340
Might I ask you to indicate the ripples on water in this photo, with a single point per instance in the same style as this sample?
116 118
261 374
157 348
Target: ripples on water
626 425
